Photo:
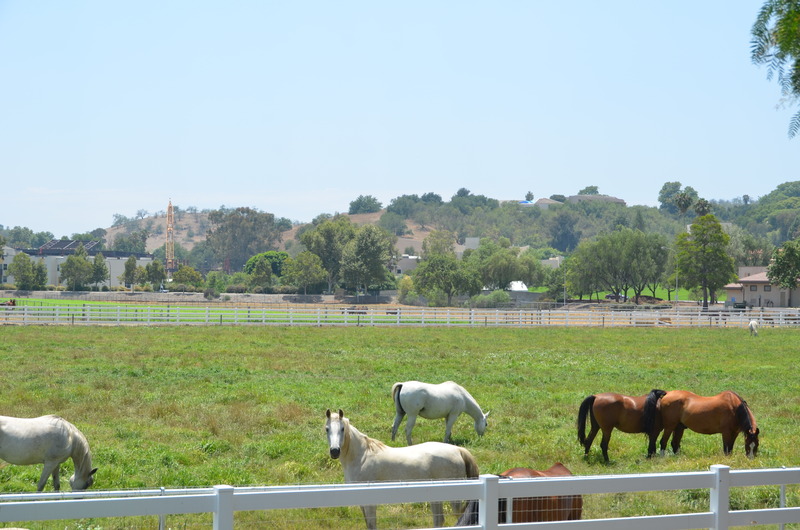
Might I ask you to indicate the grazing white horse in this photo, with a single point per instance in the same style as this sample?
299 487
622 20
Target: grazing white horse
753 327
365 459
446 400
47 440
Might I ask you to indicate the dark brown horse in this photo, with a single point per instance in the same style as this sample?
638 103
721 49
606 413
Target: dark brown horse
629 414
726 413
531 509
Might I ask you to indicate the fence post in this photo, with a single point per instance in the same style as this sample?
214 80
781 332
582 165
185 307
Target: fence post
488 512
720 496
223 510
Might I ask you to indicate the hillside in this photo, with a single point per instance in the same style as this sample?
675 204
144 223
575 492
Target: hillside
190 229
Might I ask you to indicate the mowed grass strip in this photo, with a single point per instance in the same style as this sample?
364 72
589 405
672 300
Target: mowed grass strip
196 406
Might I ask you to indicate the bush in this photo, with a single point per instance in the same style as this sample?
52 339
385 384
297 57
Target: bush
210 294
238 288
493 299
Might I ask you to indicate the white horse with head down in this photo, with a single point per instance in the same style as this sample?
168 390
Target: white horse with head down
47 440
365 459
445 400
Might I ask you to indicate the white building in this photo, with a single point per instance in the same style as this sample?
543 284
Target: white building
55 252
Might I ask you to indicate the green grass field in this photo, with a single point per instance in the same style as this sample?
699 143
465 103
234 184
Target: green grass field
198 406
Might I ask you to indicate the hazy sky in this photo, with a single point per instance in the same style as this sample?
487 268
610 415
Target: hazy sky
298 107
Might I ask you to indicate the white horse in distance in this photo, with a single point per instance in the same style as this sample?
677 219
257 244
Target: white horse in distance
47 440
753 327
365 459
445 400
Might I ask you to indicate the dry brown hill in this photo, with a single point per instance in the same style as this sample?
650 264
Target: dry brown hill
190 229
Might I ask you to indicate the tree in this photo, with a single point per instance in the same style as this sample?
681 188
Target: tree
366 257
784 270
259 267
438 242
564 232
445 273
99 269
155 273
238 234
702 259
128 277
393 223
666 196
274 258
683 201
304 270
187 275
29 275
76 271
404 205
327 241
529 196
135 242
776 43
702 207
365 204
589 190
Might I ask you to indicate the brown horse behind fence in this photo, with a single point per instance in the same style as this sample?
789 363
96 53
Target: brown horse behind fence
631 414
726 413
531 509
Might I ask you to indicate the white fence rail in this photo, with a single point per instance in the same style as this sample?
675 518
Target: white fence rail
224 501
89 314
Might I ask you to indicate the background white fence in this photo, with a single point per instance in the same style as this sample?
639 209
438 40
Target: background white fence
125 314
224 501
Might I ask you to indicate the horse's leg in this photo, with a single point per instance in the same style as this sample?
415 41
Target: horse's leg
651 444
438 514
589 439
370 516
727 442
397 419
676 437
604 442
49 468
448 427
411 419
665 438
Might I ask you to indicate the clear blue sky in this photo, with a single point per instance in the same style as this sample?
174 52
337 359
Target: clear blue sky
298 107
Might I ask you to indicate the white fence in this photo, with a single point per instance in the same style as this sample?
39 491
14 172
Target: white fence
90 314
224 501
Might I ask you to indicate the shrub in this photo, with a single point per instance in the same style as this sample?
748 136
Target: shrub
493 299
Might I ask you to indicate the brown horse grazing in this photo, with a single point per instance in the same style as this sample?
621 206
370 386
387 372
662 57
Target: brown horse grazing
531 509
726 413
627 413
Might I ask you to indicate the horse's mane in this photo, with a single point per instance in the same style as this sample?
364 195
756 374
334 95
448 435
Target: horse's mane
81 455
743 415
371 443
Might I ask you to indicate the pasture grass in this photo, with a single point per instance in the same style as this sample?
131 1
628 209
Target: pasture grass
196 406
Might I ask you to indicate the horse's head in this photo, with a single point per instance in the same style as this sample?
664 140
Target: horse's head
481 424
751 443
334 427
83 483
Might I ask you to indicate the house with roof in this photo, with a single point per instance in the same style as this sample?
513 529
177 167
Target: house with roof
55 252
755 290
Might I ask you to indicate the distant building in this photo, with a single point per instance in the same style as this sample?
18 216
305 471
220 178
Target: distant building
544 203
594 198
55 252
755 290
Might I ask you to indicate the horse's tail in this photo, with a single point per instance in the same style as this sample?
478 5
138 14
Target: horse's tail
584 411
650 411
470 515
396 398
470 465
